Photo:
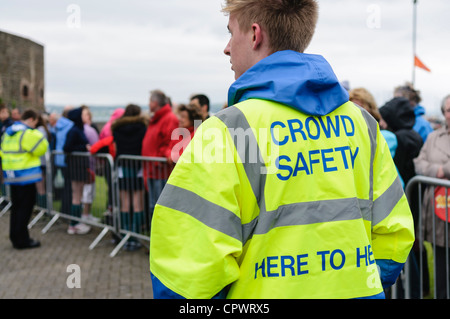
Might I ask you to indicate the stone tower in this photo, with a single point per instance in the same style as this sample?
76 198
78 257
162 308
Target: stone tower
21 72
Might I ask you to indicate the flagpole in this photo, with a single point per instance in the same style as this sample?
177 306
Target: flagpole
414 41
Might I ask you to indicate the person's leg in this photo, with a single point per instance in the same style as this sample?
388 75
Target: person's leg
441 273
138 213
124 210
23 199
76 210
155 188
86 200
14 221
66 196
41 191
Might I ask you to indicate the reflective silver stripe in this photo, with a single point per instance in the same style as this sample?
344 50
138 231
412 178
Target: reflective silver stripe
225 221
383 205
208 213
309 213
37 144
23 178
372 126
365 206
14 152
249 153
20 141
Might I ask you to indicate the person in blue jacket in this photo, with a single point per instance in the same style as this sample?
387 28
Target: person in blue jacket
421 126
60 125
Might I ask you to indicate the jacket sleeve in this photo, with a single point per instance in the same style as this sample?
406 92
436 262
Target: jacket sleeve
171 125
101 144
35 143
162 292
392 222
196 226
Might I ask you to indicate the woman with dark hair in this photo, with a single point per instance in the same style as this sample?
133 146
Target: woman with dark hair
78 166
188 116
21 149
128 132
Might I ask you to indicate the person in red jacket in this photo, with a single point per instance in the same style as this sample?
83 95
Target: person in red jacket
157 143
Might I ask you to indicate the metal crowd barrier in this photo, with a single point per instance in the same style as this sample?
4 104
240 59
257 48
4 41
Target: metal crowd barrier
5 202
138 182
94 173
120 195
44 207
417 272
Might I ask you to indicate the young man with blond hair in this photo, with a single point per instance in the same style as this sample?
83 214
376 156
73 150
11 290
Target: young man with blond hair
291 191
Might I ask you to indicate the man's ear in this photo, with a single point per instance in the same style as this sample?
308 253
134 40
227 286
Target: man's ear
258 36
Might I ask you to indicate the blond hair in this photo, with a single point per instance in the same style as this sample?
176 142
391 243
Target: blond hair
366 100
290 24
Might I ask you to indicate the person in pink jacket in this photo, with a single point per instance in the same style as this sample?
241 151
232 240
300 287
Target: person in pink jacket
106 130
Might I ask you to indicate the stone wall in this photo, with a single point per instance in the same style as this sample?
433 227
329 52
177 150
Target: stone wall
22 82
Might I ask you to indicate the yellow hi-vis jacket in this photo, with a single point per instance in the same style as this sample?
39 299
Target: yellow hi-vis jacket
299 208
21 149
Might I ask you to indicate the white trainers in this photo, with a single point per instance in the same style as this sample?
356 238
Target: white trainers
78 229
90 218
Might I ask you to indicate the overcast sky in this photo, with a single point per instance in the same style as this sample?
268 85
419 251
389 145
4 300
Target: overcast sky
115 52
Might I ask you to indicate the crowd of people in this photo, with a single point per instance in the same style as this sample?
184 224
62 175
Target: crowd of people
130 131
326 230
417 148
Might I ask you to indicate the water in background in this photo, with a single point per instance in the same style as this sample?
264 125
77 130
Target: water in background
101 114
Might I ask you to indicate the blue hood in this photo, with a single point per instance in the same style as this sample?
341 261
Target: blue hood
302 81
419 110
63 124
75 116
16 127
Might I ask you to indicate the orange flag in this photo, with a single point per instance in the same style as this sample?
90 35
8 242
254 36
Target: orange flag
420 64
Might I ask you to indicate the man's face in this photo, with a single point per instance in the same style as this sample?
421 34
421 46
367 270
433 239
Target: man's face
239 48
203 108
153 105
52 119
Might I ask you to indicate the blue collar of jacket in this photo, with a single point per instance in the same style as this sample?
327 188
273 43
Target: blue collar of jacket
16 127
419 110
302 81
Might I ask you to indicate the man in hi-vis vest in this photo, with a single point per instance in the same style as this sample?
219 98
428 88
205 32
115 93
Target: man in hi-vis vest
291 191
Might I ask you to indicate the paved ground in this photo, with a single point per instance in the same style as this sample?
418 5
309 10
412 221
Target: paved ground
42 273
